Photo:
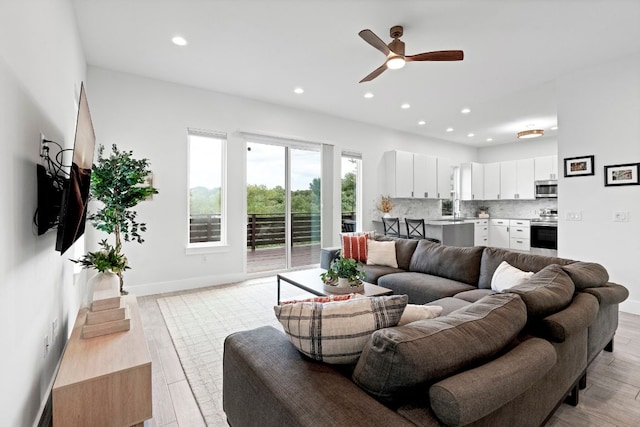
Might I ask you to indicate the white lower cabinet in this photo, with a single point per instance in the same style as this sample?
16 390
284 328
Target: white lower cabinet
480 231
510 234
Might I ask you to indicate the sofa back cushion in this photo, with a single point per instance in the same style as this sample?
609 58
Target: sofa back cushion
546 292
451 262
492 257
404 249
587 274
398 361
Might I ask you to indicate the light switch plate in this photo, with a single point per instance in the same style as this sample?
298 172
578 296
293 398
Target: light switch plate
573 216
621 216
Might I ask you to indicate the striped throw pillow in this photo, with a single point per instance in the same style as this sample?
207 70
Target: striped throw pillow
327 298
355 246
336 332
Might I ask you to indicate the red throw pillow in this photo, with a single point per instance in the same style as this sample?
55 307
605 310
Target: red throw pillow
355 246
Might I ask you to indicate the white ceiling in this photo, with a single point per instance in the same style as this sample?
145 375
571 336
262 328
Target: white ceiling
262 49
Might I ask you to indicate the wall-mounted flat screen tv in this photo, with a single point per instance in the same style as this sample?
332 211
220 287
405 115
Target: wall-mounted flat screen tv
73 212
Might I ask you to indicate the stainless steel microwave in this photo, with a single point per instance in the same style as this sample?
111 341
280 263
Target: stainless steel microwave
546 189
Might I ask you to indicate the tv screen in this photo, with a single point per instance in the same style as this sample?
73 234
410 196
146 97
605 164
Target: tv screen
73 213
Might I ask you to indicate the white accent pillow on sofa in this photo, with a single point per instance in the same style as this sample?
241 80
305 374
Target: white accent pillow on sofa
414 312
507 276
382 253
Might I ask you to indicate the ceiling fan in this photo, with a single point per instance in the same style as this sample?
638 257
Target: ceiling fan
395 52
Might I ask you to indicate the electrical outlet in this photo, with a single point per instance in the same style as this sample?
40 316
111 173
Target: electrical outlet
44 147
621 216
573 216
46 345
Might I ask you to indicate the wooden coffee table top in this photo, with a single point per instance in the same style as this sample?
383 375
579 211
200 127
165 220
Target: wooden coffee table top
310 281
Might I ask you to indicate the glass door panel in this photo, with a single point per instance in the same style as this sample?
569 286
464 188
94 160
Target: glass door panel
305 207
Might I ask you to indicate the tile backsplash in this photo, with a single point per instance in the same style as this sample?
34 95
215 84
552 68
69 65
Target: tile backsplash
431 209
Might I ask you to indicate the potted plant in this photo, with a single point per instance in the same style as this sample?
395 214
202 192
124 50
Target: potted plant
385 205
347 271
119 183
109 263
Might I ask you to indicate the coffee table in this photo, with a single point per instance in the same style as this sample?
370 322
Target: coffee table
310 281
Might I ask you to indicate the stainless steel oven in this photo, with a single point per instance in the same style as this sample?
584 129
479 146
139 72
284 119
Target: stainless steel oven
544 234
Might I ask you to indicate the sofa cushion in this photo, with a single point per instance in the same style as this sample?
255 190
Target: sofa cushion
450 304
414 312
451 262
400 361
587 274
474 294
404 249
336 332
492 257
382 253
422 288
372 273
546 292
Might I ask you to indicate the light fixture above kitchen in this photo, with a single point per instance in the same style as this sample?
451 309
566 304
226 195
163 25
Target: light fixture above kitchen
530 133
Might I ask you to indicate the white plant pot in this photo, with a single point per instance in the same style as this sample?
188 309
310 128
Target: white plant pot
102 282
343 282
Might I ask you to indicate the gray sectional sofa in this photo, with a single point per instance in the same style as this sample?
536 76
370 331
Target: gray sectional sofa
490 359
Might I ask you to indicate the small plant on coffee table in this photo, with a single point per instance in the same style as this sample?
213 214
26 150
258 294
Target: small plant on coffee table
346 268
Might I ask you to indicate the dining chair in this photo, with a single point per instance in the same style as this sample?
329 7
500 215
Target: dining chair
415 228
391 227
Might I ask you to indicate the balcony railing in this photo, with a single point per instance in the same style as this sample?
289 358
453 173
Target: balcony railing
263 230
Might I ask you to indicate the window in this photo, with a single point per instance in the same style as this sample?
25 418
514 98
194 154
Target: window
207 213
351 191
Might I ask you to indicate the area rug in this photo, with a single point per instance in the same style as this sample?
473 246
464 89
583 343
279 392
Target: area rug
198 323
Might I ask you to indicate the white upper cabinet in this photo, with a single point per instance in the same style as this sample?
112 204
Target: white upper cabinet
444 178
425 176
399 173
472 181
517 179
492 181
546 168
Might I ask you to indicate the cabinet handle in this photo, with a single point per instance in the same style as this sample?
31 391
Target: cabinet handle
518 229
412 194
518 241
498 196
426 195
438 195
473 196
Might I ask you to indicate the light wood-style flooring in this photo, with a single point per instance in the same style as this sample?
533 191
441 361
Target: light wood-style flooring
612 396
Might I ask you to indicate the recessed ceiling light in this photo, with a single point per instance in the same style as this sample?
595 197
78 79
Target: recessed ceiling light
449 129
465 111
178 40
489 139
422 122
471 134
405 106
298 90
368 95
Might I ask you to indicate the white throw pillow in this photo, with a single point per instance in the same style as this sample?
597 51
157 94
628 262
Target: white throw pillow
507 276
414 312
382 253
336 332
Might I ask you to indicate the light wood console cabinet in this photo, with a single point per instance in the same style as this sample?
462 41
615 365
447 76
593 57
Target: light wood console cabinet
106 380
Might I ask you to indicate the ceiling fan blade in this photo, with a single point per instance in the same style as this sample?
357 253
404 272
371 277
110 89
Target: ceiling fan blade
440 55
375 41
375 73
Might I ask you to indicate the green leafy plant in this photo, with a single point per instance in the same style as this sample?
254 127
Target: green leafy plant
346 268
119 183
108 259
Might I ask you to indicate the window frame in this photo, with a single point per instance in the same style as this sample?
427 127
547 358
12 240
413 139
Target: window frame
209 247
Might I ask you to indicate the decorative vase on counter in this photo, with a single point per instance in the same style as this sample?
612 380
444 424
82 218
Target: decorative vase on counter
103 282
386 215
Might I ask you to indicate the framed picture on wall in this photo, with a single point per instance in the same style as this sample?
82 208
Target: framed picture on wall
621 174
578 166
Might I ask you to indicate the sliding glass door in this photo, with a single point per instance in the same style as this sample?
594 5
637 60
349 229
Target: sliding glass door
283 206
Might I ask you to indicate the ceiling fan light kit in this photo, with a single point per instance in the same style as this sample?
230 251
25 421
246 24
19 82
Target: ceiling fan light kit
530 133
394 52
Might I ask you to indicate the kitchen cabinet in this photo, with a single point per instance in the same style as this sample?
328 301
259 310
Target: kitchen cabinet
425 176
480 231
444 178
519 234
546 168
491 181
472 181
517 179
398 173
499 233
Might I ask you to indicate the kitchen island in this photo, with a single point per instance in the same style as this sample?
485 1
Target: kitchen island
447 231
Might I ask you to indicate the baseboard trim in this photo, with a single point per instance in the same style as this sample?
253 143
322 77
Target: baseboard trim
183 284
630 306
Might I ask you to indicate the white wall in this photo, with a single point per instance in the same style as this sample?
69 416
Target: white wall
151 117
41 67
523 149
599 111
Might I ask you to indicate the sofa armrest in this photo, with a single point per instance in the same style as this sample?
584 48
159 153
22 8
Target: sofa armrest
471 395
579 315
327 255
267 382
611 293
